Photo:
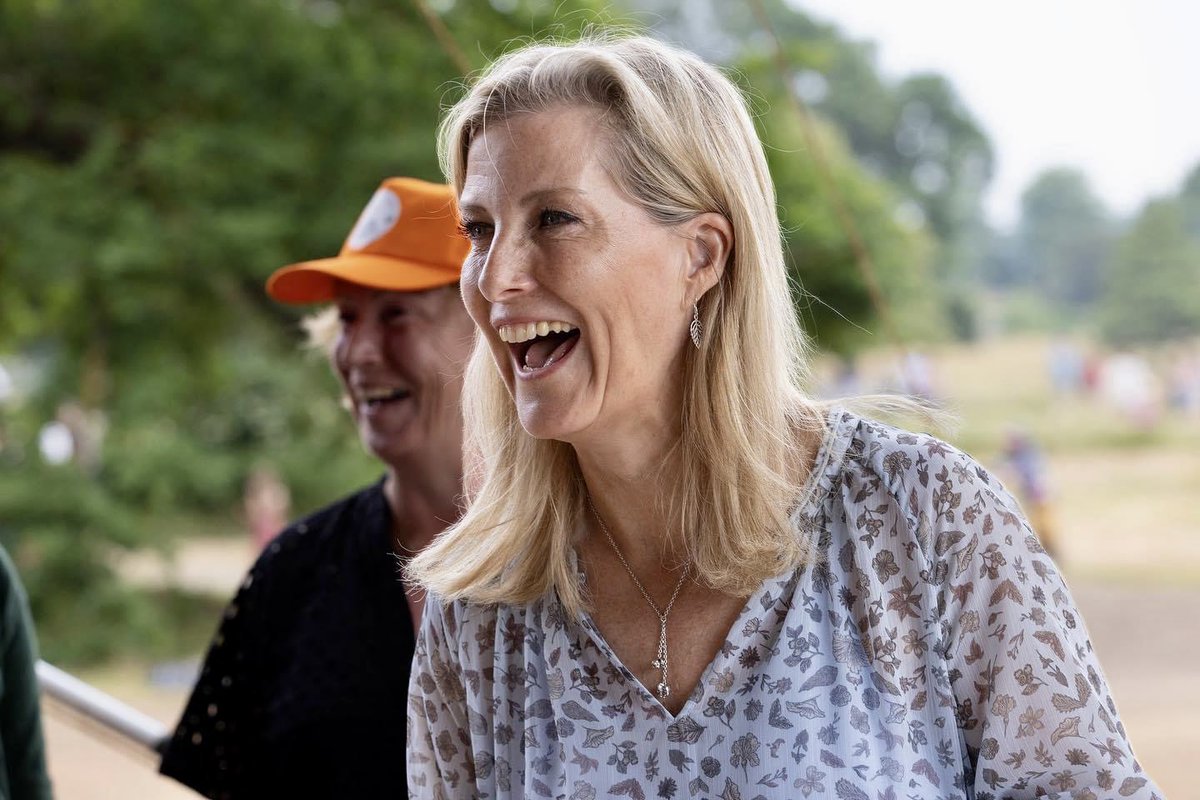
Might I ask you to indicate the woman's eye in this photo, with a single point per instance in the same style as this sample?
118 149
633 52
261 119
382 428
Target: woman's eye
551 217
474 230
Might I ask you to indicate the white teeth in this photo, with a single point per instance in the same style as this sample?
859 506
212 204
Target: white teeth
515 334
370 395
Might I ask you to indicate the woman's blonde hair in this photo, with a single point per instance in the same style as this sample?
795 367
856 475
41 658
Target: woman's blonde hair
680 142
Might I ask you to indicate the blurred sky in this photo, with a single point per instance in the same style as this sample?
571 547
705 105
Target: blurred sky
1110 86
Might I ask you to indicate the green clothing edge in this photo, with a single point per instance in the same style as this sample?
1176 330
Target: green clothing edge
23 775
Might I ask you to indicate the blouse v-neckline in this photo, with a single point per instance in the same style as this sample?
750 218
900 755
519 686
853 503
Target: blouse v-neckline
811 496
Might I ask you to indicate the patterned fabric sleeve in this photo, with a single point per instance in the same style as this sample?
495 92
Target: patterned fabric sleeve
440 763
1033 707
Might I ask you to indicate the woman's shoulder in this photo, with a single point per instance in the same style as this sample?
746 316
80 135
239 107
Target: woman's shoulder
931 506
896 487
908 465
474 629
458 613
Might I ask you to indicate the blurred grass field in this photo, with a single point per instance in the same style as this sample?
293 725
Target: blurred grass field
1125 503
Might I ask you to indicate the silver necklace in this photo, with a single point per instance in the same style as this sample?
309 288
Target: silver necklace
663 690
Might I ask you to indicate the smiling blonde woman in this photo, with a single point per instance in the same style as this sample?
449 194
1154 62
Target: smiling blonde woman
677 575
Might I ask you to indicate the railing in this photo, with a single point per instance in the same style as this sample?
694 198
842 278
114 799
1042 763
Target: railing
116 716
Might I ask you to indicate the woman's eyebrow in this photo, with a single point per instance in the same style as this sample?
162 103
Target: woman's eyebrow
544 194
472 208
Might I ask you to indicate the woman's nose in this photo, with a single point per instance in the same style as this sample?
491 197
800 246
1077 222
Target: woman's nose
505 270
361 343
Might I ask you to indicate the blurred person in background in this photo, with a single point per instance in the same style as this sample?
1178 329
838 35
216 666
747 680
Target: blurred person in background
847 381
1129 384
1065 366
266 503
915 375
678 575
23 773
1028 467
1185 381
302 693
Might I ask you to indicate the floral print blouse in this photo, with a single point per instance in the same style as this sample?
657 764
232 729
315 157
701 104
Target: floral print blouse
931 651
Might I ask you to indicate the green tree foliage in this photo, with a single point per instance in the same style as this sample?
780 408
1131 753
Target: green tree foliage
157 162
859 115
916 133
1152 281
1189 200
1063 238
833 299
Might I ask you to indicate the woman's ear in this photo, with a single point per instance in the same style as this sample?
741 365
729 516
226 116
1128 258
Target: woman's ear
710 245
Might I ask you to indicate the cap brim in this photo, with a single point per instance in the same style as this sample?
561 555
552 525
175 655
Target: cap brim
314 281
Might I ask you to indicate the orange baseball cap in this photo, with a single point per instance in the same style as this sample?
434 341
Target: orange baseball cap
405 240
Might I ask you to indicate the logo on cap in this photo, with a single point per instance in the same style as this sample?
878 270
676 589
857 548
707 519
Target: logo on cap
379 217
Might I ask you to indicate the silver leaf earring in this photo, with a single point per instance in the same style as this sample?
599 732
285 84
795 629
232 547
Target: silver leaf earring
696 328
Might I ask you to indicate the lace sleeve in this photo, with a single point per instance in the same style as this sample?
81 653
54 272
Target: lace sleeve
212 749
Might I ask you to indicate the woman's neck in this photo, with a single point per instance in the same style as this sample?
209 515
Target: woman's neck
629 486
423 502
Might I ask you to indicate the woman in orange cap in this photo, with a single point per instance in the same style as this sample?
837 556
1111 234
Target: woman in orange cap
303 691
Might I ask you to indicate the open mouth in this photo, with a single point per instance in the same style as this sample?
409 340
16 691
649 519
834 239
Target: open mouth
537 346
378 398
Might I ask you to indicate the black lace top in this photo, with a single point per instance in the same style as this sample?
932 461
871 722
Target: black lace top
302 693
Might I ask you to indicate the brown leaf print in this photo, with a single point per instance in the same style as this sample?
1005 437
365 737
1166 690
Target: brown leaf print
1030 721
1130 785
1065 703
946 540
896 463
992 562
1003 706
962 592
925 769
1068 727
885 565
629 788
967 555
904 600
1006 589
848 791
1050 639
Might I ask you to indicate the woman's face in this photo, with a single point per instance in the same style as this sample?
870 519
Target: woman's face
555 244
400 357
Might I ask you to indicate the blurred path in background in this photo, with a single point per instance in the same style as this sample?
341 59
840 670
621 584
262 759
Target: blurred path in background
1146 640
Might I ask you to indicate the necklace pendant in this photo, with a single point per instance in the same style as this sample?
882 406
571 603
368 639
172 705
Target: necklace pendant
664 691
658 663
